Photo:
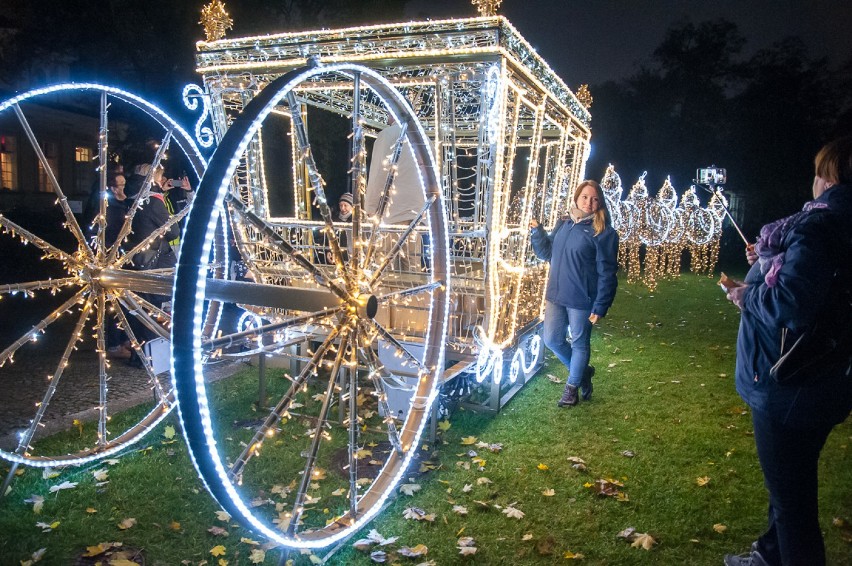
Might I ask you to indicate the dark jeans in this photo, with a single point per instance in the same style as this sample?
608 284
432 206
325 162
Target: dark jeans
789 458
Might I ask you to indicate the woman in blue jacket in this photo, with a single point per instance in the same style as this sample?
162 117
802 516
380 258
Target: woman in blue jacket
794 355
583 253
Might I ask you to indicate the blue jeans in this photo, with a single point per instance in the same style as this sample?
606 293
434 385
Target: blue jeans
575 355
789 457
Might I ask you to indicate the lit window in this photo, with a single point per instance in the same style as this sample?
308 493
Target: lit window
84 172
8 163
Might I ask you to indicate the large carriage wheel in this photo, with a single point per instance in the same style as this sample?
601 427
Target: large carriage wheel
293 473
87 281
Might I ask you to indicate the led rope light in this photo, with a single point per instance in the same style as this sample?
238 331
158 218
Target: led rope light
189 295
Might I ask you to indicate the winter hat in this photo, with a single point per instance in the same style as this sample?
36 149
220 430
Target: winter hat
346 197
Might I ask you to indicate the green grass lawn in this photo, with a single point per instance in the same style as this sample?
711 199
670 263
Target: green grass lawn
665 422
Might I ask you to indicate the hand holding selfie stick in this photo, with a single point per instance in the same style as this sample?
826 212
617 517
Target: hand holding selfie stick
713 177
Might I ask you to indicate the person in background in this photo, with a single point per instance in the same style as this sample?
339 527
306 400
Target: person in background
799 281
178 195
583 253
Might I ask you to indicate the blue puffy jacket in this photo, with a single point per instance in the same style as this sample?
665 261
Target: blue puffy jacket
815 248
582 265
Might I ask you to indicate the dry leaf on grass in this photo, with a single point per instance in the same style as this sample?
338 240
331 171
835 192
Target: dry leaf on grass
223 516
577 463
460 509
63 485
513 513
37 501
47 527
720 528
217 550
702 481
418 514
409 488
644 540
217 531
379 556
467 488
573 555
127 523
483 480
543 467
414 552
468 440
257 556
527 536
549 492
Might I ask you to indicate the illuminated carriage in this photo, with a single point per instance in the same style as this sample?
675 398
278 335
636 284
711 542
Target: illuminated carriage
373 317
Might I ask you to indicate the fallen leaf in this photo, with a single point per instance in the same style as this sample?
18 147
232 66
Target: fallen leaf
467 550
414 552
553 378
217 531
468 440
460 509
409 488
223 516
542 467
702 481
169 432
127 523
174 525
549 492
643 540
257 556
217 550
63 485
573 555
418 514
48 474
338 492
101 475
513 513
466 541
627 533
577 463
527 536
483 480
379 556
720 528
444 425
245 540
37 501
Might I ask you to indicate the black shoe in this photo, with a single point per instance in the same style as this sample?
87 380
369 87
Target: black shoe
586 385
753 558
569 397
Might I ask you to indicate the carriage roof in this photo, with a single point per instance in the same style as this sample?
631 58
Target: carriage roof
410 44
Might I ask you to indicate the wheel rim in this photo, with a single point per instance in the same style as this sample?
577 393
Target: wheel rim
95 276
350 336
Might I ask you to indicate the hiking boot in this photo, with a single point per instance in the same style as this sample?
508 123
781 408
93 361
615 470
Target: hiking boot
586 385
753 558
569 397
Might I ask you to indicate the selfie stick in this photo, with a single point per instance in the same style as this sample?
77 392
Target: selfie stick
714 191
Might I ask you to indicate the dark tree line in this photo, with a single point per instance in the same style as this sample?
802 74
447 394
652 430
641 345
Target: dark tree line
699 102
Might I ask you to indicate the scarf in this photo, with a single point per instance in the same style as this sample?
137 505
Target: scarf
768 245
344 217
578 215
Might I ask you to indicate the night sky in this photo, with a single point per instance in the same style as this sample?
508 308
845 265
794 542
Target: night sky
592 41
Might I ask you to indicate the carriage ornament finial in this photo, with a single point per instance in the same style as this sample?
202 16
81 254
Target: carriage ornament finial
215 20
585 96
487 8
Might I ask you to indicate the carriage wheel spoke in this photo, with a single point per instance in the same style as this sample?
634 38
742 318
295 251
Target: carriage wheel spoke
103 144
70 220
298 504
281 408
383 332
76 336
242 337
376 369
314 176
159 394
141 309
143 193
149 239
50 251
384 199
102 369
9 353
286 247
29 286
403 238
357 173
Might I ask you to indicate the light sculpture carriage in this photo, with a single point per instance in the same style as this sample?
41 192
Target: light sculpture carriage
373 316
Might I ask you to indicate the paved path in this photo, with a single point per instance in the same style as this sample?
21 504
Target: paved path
77 394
